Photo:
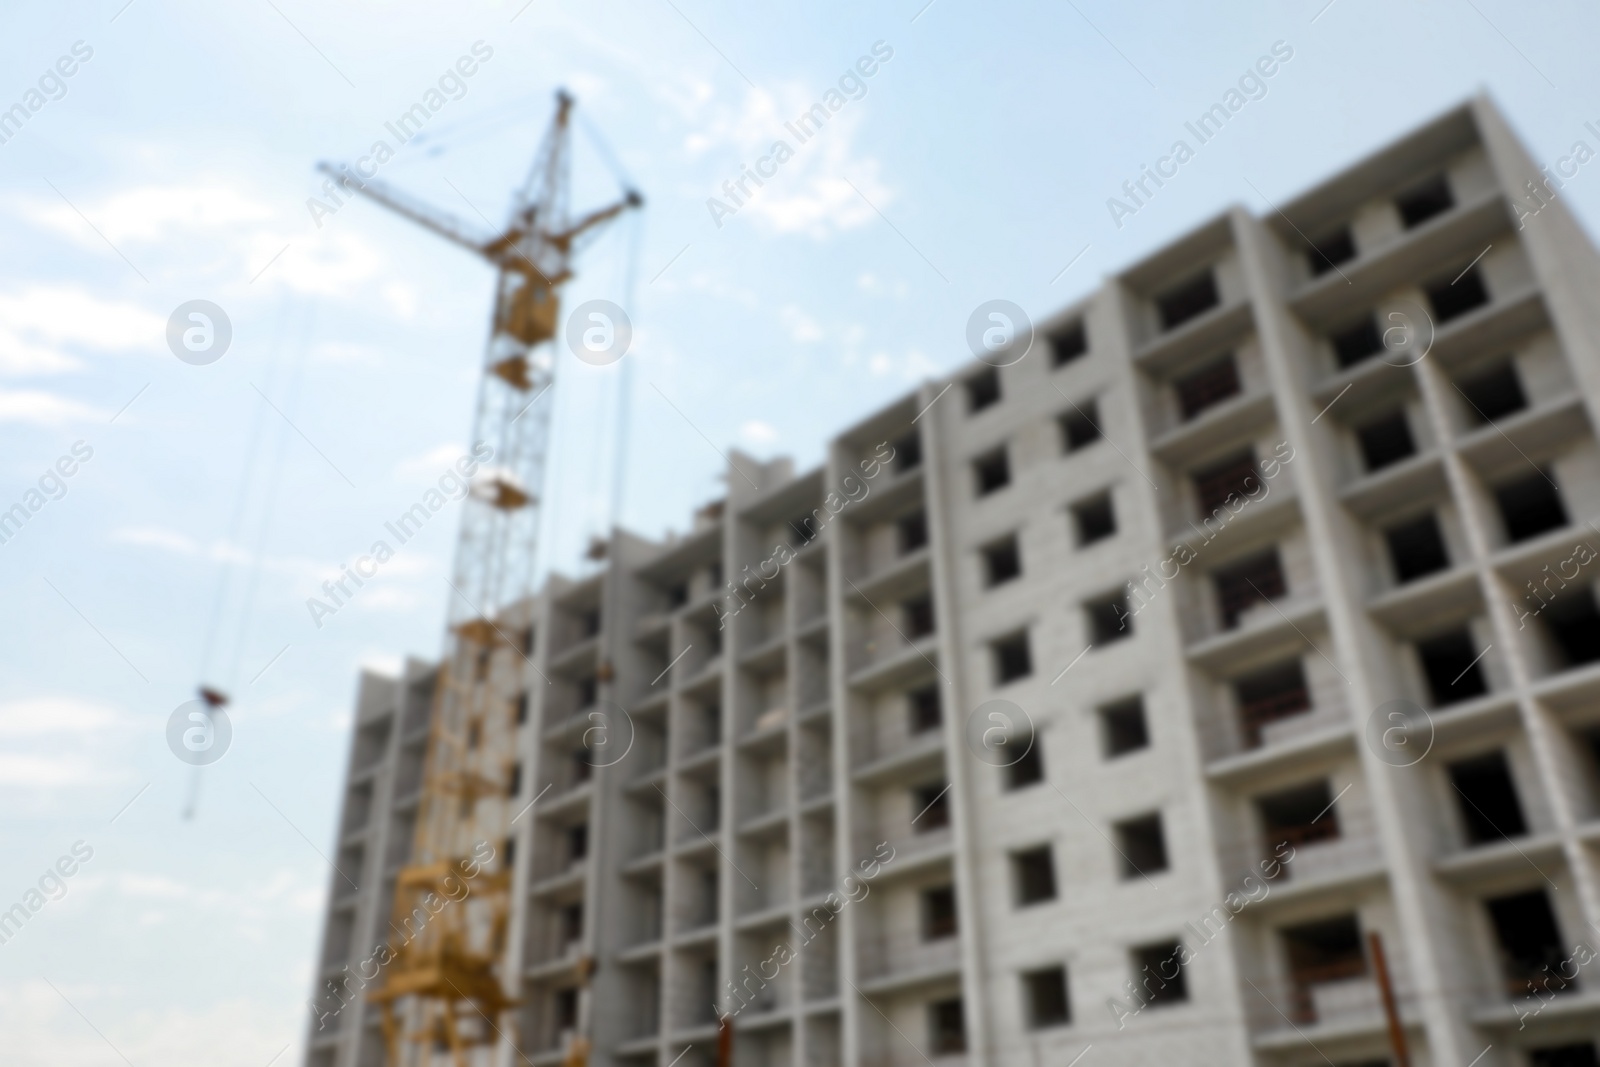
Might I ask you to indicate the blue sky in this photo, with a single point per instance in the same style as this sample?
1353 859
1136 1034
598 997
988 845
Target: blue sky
177 166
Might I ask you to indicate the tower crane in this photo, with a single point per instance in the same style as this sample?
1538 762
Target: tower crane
443 990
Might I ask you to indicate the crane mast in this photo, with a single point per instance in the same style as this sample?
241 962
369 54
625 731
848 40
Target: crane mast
444 991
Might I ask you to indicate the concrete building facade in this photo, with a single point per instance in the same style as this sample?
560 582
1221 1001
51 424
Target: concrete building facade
1101 701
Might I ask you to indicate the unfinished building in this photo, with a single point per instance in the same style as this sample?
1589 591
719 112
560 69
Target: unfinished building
1111 697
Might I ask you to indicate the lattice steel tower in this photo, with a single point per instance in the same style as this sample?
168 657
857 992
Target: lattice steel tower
444 991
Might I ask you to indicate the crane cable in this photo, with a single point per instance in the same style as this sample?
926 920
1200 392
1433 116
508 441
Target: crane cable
240 510
434 143
269 502
619 470
616 428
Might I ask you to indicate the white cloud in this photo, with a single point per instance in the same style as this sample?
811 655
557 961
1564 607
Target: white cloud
218 551
35 771
58 741
155 213
387 599
353 352
429 465
402 299
19 356
757 433
156 537
802 327
44 328
873 285
41 716
223 230
331 263
809 193
43 1030
39 324
912 367
40 408
385 663
159 886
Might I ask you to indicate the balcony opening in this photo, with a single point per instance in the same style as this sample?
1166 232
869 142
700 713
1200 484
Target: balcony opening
351 861
711 723
1530 506
1187 300
1486 797
1385 441
1158 973
1207 386
1451 662
564 1010
514 786
1574 625
1422 202
577 842
983 390
1234 476
991 471
710 897
917 616
713 639
1080 427
1494 393
1531 952
924 708
1028 769
804 529
1045 992
1579 1055
1034 875
1108 618
912 531
522 707
1325 951
1278 692
591 623
1416 548
1357 343
582 767
930 807
677 595
705 1010
1336 248
1299 816
1002 561
571 921
1252 580
1123 728
713 812
1094 518
947 1027
1068 343
714 574
588 689
1142 846
1451 300
938 913
907 454
1012 658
